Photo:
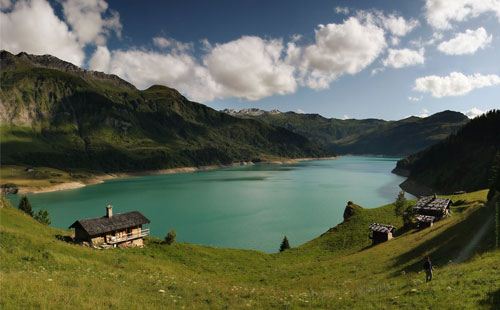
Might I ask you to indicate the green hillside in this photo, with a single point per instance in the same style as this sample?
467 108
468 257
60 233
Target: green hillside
461 162
366 136
337 270
57 115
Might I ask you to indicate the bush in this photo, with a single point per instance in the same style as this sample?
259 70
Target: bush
25 206
400 204
285 245
42 216
170 237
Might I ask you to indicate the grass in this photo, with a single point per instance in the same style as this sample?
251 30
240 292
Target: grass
39 177
336 270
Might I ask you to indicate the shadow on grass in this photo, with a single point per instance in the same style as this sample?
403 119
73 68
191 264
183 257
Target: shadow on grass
447 245
68 239
492 300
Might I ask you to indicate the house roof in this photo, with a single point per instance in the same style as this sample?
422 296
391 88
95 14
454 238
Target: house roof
383 228
105 224
425 218
431 203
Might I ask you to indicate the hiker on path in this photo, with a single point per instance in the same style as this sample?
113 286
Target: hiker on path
428 269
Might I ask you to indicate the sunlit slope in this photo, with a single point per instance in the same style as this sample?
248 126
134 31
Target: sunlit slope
339 269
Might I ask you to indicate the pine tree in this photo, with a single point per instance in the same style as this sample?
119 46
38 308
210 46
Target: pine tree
285 245
170 237
42 216
494 177
25 206
400 204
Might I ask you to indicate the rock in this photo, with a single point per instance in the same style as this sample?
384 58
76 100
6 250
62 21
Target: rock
350 210
9 188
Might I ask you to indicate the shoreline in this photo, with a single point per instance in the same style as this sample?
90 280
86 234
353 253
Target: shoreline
98 179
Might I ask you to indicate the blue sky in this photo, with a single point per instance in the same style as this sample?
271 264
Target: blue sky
364 61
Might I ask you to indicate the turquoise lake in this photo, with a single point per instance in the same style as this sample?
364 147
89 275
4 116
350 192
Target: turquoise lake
250 207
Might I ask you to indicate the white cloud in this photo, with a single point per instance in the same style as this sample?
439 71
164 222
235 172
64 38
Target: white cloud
454 84
415 99
467 42
342 10
398 25
400 58
100 60
440 13
299 111
339 49
5 4
163 42
377 70
424 113
345 116
474 112
86 20
33 27
250 68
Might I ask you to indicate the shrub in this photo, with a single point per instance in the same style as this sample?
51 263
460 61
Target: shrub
170 237
400 204
25 206
285 245
42 216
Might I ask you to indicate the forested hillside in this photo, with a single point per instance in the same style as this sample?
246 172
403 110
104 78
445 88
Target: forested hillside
57 115
461 162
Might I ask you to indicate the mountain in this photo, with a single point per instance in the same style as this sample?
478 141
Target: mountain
55 114
462 162
367 136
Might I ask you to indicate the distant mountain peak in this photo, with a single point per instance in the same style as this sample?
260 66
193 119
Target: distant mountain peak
250 112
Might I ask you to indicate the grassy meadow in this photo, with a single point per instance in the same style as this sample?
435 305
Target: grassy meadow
339 269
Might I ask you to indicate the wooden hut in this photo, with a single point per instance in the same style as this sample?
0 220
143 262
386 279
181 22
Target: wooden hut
424 221
381 232
430 209
121 230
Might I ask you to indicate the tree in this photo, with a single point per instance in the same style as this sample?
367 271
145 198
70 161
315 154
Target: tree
170 237
400 204
25 206
285 245
494 177
42 216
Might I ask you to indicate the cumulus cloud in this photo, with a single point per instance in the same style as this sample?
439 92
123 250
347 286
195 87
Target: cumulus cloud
400 58
342 10
86 19
441 13
100 59
398 25
5 4
32 26
474 112
454 84
338 49
467 42
165 43
250 68
424 113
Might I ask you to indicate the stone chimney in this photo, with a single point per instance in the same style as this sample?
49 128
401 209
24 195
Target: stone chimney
109 211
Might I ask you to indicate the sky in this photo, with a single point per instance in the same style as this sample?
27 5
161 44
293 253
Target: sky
343 59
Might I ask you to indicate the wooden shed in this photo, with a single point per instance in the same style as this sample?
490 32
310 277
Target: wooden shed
121 230
424 221
381 232
433 206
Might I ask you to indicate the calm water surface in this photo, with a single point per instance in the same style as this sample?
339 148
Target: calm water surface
249 207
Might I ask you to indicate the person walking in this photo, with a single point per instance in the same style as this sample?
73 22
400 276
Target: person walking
428 269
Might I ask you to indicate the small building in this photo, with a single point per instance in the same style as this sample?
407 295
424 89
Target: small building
433 206
381 232
122 230
424 221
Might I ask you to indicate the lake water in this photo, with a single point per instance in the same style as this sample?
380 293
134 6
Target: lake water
249 207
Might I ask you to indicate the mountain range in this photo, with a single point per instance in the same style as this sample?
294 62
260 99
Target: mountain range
55 114
365 136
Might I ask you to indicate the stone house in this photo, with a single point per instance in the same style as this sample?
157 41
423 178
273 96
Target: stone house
122 230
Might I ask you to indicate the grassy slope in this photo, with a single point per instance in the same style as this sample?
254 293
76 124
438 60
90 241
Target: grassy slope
337 269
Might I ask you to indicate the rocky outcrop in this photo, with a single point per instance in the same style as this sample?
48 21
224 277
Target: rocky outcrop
350 210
